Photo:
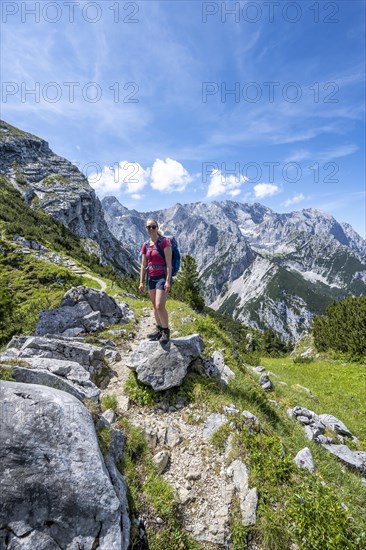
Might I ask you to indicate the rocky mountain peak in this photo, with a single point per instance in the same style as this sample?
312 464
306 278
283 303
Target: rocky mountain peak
263 268
54 184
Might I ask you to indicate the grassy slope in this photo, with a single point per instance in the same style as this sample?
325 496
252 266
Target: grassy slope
340 388
28 284
294 505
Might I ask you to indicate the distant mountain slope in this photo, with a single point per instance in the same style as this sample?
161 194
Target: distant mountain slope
57 186
263 268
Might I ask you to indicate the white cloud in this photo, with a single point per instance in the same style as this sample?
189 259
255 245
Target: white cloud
294 200
221 184
235 192
169 175
262 190
128 177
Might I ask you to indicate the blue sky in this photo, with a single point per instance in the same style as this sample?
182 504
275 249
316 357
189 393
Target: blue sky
138 95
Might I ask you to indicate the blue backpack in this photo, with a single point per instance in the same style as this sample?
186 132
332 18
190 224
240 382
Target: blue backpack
175 252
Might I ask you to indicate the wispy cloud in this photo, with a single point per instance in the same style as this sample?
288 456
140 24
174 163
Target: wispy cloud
323 156
294 200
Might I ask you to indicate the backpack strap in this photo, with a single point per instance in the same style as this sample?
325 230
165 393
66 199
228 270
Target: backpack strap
158 247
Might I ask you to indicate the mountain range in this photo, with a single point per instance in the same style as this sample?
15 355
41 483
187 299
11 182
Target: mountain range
260 267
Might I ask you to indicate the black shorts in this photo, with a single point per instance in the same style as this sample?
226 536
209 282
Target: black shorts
156 283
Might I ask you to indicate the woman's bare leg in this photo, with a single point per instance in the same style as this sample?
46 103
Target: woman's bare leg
152 294
160 300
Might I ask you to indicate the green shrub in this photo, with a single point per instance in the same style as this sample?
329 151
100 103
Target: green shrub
186 286
109 401
343 327
6 374
316 518
139 393
104 437
303 360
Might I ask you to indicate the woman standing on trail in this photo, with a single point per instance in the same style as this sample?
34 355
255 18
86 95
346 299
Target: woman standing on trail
159 276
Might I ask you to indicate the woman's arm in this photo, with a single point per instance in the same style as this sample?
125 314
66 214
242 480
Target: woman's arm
168 261
143 272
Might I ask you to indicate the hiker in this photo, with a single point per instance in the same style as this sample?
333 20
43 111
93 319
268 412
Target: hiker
159 276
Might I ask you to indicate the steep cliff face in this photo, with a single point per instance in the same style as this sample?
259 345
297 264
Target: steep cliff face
263 268
54 184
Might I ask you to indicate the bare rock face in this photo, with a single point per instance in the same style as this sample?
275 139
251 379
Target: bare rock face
83 309
165 367
67 376
56 489
61 190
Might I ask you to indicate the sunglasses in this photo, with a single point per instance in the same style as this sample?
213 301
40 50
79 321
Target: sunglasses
151 227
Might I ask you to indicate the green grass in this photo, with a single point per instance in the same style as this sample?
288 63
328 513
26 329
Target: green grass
87 281
109 401
340 388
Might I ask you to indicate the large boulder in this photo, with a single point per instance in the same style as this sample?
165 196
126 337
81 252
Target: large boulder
56 490
165 367
353 459
215 366
82 309
67 376
92 358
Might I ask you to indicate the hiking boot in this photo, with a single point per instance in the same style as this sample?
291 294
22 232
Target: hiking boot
165 336
156 334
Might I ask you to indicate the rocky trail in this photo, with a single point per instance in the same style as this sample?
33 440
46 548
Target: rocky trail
60 368
183 454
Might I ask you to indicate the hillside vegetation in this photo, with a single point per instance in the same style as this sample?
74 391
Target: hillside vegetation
343 328
316 511
29 284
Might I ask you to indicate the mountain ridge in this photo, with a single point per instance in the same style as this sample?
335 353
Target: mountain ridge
252 259
53 183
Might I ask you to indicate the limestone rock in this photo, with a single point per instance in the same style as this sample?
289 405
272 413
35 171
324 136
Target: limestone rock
212 424
253 419
332 422
65 349
217 361
82 309
304 459
239 472
161 461
231 409
249 507
45 377
352 459
265 382
165 367
259 369
173 437
59 485
248 497
110 416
